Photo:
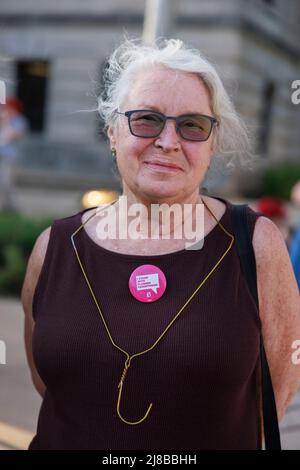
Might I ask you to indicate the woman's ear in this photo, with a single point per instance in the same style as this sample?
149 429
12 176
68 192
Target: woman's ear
112 138
110 135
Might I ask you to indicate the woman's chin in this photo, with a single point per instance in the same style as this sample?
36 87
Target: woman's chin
161 191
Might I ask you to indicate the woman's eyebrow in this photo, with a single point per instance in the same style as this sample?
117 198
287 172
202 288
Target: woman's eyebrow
149 106
155 108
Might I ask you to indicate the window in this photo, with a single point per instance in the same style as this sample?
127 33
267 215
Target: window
266 117
32 81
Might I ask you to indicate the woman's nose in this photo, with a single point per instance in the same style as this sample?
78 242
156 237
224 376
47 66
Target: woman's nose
168 138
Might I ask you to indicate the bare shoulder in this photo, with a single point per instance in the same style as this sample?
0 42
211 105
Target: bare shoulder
267 239
271 253
277 286
33 269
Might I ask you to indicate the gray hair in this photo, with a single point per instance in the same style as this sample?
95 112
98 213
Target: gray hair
231 137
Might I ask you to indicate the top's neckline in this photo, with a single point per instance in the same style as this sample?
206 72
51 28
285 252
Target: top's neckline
172 254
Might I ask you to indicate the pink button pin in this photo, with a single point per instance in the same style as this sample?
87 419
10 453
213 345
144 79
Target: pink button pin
147 283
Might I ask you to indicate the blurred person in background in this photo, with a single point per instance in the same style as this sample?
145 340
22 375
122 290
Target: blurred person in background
294 245
13 126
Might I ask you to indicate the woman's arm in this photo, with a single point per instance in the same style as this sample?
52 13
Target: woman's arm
279 307
34 267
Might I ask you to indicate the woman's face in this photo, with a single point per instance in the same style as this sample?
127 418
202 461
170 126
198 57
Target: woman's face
172 93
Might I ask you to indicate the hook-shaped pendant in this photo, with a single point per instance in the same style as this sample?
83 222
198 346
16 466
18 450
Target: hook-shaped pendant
120 386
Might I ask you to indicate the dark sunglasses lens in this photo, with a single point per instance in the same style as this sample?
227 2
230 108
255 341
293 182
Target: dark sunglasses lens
145 124
196 127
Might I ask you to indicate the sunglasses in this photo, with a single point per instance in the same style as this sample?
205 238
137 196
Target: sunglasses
147 123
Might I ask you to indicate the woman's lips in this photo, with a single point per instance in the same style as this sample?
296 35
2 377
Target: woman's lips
162 167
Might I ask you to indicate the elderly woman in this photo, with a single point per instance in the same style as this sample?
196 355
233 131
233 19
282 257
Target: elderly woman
139 342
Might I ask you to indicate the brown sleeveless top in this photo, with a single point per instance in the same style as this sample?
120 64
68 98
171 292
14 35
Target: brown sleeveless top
202 377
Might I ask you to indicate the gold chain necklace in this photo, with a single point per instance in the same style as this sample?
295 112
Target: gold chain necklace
129 358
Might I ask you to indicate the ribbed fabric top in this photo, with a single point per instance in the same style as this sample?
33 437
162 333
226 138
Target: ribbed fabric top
202 377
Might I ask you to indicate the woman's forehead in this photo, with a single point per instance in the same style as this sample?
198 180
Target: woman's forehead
159 75
153 88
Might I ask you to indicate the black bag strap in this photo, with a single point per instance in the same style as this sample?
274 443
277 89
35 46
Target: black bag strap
248 265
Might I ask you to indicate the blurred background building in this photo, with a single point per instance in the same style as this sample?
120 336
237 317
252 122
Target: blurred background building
53 54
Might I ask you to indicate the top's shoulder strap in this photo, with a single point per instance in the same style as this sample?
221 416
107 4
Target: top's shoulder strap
248 266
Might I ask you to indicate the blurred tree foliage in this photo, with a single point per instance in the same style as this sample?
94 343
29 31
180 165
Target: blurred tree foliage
18 234
278 180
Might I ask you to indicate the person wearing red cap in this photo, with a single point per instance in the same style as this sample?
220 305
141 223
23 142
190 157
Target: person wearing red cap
13 126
